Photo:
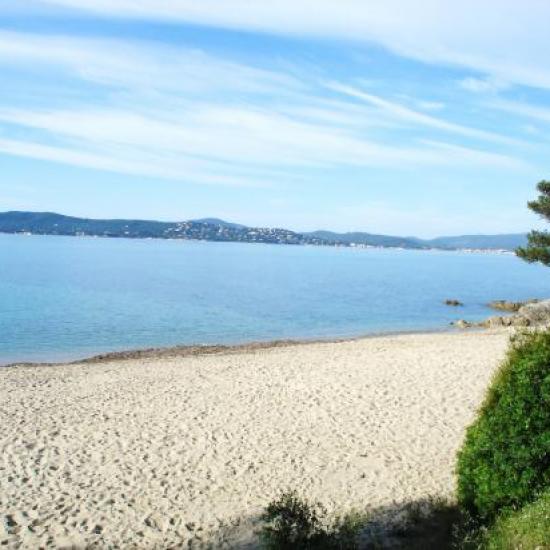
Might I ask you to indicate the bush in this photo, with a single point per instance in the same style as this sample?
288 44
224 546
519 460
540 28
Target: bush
505 460
528 529
292 523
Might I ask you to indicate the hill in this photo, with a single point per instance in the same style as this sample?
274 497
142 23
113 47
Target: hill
478 242
210 229
505 242
370 239
214 229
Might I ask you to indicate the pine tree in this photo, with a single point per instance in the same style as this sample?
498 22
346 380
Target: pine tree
538 247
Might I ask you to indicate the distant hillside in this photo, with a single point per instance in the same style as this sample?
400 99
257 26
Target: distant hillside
49 223
214 229
478 242
504 242
217 221
210 229
369 239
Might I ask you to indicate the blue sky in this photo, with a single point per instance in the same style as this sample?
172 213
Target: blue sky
396 116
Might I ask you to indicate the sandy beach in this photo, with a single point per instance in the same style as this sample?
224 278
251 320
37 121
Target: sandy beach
166 451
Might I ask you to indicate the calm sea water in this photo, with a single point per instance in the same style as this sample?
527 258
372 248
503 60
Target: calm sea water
65 298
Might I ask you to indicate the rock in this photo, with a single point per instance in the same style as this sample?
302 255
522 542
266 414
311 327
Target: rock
513 307
537 313
520 321
495 322
528 313
453 303
503 305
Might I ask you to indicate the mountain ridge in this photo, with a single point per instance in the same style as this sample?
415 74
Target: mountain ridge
215 229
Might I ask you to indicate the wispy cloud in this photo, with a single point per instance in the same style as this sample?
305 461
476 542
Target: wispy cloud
184 114
507 40
430 105
423 112
150 164
222 145
483 85
409 115
525 110
141 65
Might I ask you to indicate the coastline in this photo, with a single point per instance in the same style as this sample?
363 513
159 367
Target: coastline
194 350
336 244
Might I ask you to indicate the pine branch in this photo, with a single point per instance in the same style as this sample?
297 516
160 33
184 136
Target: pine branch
534 254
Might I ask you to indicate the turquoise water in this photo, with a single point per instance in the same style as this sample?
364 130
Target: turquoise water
65 298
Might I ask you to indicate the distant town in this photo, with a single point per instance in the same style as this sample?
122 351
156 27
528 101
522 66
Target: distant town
231 233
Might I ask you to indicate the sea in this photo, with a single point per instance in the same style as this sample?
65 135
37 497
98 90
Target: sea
66 298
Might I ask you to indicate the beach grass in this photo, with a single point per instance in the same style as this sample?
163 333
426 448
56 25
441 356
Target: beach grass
526 528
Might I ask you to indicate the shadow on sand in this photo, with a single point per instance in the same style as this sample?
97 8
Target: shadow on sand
418 525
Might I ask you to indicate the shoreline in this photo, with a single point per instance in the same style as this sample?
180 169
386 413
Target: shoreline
197 350
498 251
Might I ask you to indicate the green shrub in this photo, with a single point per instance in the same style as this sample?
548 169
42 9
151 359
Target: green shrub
505 460
528 528
524 529
291 523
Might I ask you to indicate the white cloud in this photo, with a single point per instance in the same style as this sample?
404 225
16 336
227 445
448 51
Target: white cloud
222 140
430 105
149 109
535 112
140 65
126 162
483 85
505 39
412 116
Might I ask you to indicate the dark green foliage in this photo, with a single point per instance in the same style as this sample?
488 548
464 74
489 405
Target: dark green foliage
422 524
538 247
505 460
291 523
542 204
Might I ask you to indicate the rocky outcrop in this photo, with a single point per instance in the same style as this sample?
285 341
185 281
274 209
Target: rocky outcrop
537 313
512 321
462 323
453 303
495 322
512 307
534 313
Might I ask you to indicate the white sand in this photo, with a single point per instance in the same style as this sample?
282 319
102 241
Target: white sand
149 453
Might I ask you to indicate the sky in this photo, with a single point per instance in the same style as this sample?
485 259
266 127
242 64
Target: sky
405 117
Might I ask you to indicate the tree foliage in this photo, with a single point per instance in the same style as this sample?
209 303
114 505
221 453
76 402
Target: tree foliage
538 247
